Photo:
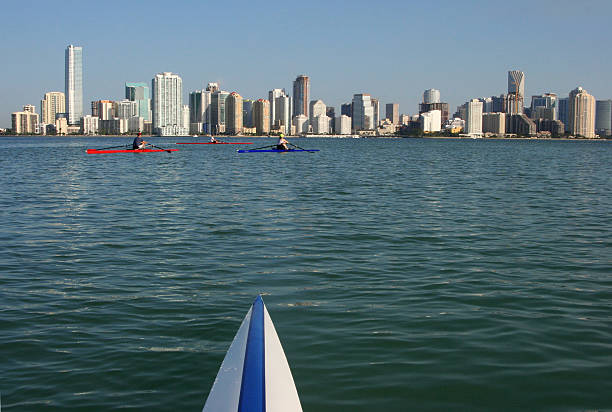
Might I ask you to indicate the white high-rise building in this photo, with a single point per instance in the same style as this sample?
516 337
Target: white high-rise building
233 114
90 125
320 125
168 105
301 124
431 96
272 95
581 115
473 120
317 108
52 104
431 121
363 112
74 83
343 124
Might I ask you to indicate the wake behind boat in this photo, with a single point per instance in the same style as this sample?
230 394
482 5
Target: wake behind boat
254 375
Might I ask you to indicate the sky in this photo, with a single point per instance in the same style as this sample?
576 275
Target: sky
393 50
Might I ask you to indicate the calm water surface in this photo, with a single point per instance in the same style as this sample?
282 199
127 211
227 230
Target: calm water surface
401 274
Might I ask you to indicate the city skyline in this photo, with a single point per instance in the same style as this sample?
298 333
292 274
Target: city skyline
438 36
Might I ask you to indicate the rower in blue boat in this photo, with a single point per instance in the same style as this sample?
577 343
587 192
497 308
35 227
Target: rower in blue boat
282 143
138 142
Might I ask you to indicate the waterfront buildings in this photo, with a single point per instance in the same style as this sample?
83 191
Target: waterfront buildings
199 111
301 95
217 111
282 116
167 90
261 116
363 112
392 112
581 113
74 83
544 106
90 125
603 117
343 125
317 108
104 109
520 125
516 92
300 122
473 119
431 96
494 123
52 104
139 93
26 121
233 114
124 109
431 121
563 112
247 113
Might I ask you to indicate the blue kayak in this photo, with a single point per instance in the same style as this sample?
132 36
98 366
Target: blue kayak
276 150
255 375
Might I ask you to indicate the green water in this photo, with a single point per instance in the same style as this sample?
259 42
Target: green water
401 274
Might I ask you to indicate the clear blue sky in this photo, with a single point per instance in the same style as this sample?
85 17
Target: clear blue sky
393 50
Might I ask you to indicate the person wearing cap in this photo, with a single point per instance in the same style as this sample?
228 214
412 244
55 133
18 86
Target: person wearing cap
213 140
282 143
138 143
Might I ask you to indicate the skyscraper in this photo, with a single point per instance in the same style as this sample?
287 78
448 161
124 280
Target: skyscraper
282 107
261 116
603 117
217 111
516 92
301 95
233 114
199 111
363 112
317 108
139 93
581 116
52 104
473 119
168 105
563 113
74 83
544 106
272 95
392 112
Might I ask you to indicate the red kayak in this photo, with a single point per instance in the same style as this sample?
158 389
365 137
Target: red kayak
215 143
97 151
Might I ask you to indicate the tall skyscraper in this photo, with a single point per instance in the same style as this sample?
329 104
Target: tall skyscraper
544 106
431 96
473 120
139 93
199 109
516 92
168 105
392 112
363 112
282 109
217 111
261 116
74 83
563 113
52 104
581 116
247 113
376 112
272 95
233 114
301 95
603 117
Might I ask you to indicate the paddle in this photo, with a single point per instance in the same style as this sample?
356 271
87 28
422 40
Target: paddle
301 148
157 147
114 147
264 147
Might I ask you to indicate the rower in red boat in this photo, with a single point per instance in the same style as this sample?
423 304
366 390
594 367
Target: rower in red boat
213 140
138 142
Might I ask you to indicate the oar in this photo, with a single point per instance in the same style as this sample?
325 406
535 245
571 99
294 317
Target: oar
264 147
114 147
301 148
157 147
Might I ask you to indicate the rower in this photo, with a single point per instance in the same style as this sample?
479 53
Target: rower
282 143
138 142
213 140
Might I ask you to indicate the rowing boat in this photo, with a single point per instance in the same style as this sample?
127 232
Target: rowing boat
276 150
214 143
254 375
101 151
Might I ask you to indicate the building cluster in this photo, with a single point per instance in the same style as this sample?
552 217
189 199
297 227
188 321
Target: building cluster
159 110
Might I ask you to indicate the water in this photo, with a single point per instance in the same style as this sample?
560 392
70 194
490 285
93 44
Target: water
406 274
